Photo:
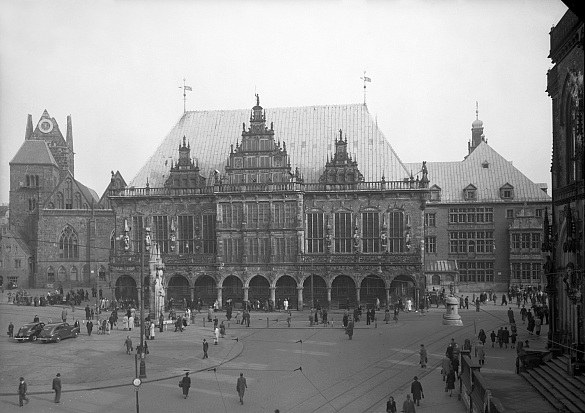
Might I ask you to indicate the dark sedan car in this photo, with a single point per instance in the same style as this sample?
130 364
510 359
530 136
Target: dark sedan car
29 332
57 332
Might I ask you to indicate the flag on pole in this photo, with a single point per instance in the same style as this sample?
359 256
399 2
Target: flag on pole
367 79
188 88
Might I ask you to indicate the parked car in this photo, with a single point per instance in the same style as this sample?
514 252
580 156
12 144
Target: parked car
57 332
29 332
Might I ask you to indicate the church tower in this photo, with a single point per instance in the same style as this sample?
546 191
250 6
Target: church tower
477 135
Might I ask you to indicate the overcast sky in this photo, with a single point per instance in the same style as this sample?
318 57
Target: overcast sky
116 68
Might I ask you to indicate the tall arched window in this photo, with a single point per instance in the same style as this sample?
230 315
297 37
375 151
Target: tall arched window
77 200
50 275
102 273
85 274
73 273
68 194
113 240
61 274
436 279
68 245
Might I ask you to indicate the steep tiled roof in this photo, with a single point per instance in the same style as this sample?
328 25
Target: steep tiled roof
309 133
454 177
34 152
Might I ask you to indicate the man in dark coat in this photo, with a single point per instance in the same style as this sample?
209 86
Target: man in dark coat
241 387
89 326
205 348
416 390
22 389
186 384
57 387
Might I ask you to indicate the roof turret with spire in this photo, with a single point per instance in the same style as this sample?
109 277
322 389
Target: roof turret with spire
341 168
477 135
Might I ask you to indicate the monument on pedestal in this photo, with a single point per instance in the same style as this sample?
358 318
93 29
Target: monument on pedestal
452 317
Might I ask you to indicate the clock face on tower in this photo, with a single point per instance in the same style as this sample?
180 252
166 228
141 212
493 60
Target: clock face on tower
45 125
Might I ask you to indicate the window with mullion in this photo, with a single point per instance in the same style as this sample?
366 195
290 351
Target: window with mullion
342 233
160 232
396 232
136 233
370 232
315 232
186 234
208 234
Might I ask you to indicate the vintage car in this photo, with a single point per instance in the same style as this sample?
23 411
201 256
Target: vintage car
57 332
29 332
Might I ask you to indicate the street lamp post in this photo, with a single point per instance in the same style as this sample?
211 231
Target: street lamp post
147 243
312 291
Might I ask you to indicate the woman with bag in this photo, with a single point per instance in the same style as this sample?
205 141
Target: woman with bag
185 384
450 383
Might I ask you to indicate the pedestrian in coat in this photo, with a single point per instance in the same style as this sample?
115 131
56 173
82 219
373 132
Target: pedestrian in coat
506 336
511 315
22 390
161 320
186 385
349 329
417 391
57 387
408 405
390 405
151 330
481 336
222 329
538 325
64 314
493 338
11 330
480 353
288 318
216 335
89 326
205 348
423 356
446 367
241 387
387 319
450 385
128 344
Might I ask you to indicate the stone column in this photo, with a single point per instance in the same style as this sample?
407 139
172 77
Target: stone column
273 295
245 289
388 297
300 298
193 295
357 296
220 297
451 316
329 297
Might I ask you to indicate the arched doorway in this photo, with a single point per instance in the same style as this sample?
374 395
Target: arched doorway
319 292
286 288
259 290
178 289
372 288
126 289
343 291
403 286
233 288
205 290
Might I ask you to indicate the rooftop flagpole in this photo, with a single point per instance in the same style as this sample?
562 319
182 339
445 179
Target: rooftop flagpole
185 89
365 79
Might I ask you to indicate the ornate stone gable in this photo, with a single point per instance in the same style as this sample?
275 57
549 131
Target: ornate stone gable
259 158
185 172
342 168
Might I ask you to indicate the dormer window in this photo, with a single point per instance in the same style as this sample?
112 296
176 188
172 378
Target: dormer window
507 191
485 164
470 193
435 193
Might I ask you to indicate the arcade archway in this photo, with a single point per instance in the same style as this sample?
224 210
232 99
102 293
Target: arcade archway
286 288
205 290
178 289
126 289
233 289
404 287
343 291
372 288
319 298
259 289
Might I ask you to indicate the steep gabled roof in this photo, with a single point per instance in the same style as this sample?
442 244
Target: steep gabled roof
89 196
34 153
488 171
309 133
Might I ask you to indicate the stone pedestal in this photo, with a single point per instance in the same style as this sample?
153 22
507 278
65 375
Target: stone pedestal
452 317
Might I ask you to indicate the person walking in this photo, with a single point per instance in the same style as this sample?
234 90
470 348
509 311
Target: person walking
22 390
205 348
11 330
89 326
511 316
128 344
537 325
57 387
222 329
186 384
423 356
408 405
151 330
446 367
480 353
288 318
241 387
64 314
493 337
349 329
481 336
450 385
390 405
215 335
417 391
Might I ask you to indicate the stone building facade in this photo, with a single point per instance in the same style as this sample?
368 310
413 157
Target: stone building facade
564 228
260 230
